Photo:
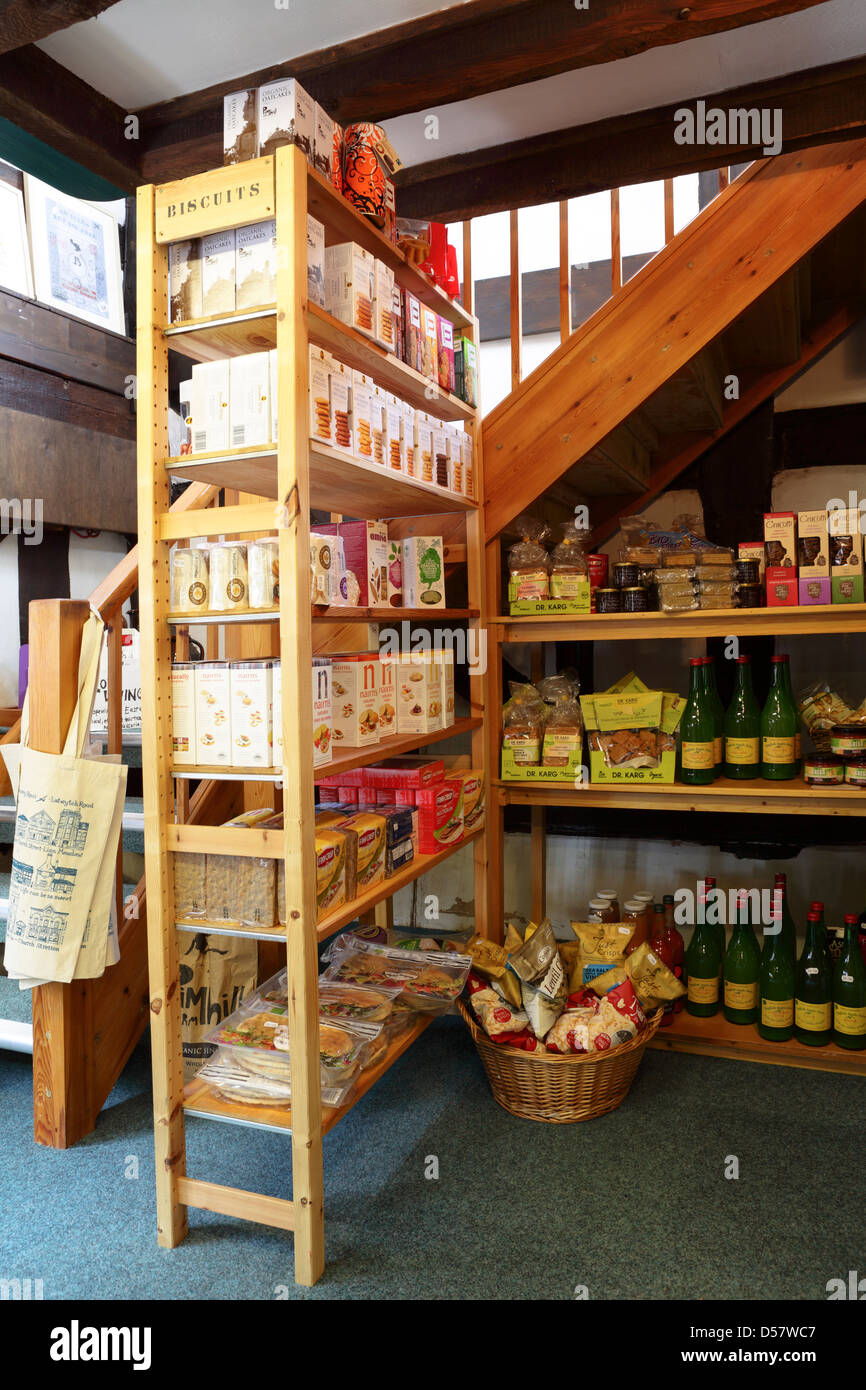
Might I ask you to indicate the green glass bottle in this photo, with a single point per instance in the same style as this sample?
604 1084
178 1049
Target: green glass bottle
703 965
779 724
742 968
716 915
849 992
743 727
798 736
789 931
718 710
697 744
776 984
813 997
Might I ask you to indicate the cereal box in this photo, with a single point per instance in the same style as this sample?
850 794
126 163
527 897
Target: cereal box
378 404
355 683
330 871
251 688
444 660
213 721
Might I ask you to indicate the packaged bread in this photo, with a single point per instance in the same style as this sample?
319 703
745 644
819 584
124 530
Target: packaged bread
189 580
563 733
529 562
190 881
229 582
523 720
568 564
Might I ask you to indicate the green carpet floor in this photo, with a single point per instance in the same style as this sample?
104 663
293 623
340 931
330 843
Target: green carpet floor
634 1205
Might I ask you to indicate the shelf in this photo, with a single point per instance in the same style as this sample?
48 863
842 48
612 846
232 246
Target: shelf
330 615
337 483
343 223
345 761
715 1037
341 916
224 335
772 798
352 348
201 1101
820 619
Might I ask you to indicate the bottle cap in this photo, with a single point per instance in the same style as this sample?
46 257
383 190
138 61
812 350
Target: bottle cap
696 661
743 660
850 919
813 916
668 898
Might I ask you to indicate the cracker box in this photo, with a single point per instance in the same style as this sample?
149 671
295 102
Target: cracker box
410 431
340 378
383 305
395 573
274 378
277 712
467 450
419 695
782 592
780 545
323 141
321 420
330 871
183 749
251 686
213 716
218 255
390 228
386 698
322 714
440 814
324 568
445 661
378 403
813 557
256 265
424 461
240 136
399 348
466 370
362 417
371 830
413 330
336 170
365 547
423 572
355 682
184 280
315 262
249 396
455 459
445 353
846 555
393 432
286 116
474 805
429 343
441 454
349 285
210 407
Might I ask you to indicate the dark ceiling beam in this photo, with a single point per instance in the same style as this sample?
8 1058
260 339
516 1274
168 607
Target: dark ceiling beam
458 52
818 105
28 21
48 101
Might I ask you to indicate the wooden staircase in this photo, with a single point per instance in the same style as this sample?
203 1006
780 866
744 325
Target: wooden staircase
763 282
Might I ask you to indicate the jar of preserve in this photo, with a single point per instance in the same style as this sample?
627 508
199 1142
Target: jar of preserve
625 575
748 572
634 600
642 896
750 595
610 896
823 771
637 915
848 741
600 910
855 773
608 601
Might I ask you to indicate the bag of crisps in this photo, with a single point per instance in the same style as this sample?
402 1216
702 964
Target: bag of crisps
654 983
602 945
490 961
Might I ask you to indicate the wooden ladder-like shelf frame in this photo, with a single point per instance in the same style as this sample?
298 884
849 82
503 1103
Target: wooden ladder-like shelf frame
293 472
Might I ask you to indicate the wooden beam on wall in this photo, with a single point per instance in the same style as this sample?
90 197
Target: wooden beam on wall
85 478
615 243
818 105
56 398
28 21
48 101
516 302
564 275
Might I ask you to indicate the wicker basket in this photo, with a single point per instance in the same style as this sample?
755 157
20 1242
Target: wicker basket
559 1090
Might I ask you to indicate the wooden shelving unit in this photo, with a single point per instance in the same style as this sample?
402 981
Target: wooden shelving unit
297 476
712 1037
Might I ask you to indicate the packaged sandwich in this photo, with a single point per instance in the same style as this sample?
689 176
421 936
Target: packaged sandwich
235 1083
336 1000
258 1040
430 981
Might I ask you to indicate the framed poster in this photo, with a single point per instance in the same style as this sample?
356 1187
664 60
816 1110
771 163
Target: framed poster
76 256
15 272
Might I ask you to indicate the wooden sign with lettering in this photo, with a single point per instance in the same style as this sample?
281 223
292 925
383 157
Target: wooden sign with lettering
234 196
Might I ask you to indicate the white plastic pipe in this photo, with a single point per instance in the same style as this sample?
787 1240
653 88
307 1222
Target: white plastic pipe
16 1037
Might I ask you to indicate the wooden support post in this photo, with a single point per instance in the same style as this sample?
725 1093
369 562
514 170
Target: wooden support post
615 256
63 1107
669 210
516 314
564 275
293 491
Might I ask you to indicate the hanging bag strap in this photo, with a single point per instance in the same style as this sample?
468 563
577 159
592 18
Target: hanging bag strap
88 676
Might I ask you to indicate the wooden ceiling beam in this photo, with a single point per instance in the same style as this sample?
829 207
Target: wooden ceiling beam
455 53
28 21
818 105
48 101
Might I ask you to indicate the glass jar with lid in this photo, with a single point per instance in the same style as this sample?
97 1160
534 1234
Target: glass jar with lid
610 896
600 910
637 914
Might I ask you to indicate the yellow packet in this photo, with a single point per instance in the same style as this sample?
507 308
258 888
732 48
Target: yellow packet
602 944
490 961
654 983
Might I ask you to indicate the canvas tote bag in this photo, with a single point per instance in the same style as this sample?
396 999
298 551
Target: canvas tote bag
67 829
